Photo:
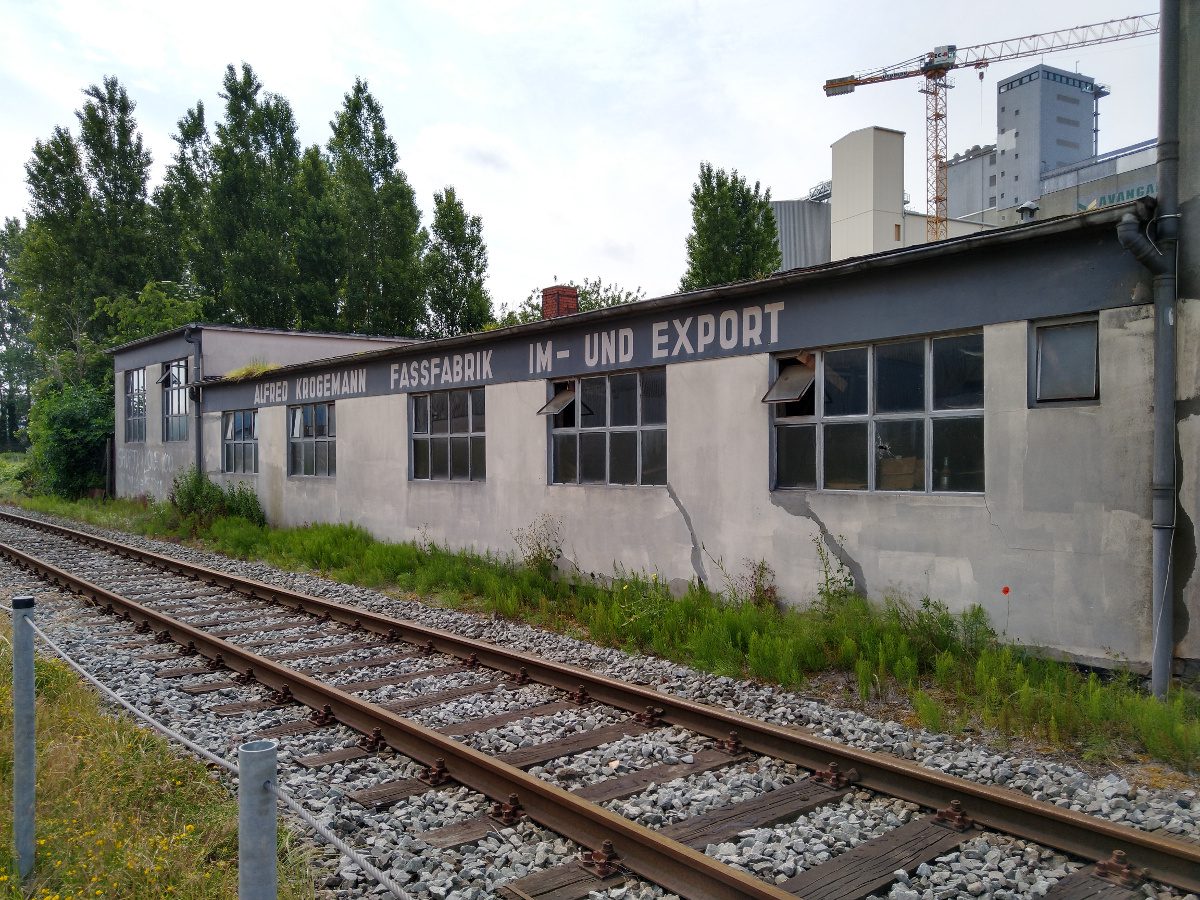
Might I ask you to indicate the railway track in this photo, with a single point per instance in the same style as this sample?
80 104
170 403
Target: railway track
397 684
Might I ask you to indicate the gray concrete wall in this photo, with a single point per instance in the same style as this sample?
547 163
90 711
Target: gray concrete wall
1064 522
968 191
147 469
1187 580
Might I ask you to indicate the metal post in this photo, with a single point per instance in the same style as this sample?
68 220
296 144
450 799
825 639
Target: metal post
257 824
24 740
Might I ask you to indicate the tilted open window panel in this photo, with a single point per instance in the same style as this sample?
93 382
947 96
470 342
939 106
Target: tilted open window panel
897 416
609 429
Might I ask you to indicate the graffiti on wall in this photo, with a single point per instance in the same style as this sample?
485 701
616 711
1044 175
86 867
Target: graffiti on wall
144 470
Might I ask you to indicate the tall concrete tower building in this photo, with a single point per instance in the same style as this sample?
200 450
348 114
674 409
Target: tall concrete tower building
1046 118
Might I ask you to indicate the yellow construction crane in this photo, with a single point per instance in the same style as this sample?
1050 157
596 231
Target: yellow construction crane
935 66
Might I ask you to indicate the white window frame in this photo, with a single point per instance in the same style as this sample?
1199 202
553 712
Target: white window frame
819 420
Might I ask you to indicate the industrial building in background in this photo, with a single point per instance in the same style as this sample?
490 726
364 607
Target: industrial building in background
1044 161
935 68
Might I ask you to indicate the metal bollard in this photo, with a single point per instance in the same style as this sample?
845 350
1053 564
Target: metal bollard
257 822
24 739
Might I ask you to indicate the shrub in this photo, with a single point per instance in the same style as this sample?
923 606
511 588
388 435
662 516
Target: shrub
929 712
241 500
69 426
540 543
195 496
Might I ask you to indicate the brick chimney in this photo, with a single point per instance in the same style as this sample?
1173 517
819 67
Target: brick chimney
559 300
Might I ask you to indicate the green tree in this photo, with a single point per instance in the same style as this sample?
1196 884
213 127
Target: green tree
593 294
88 231
256 158
734 236
455 267
118 172
52 270
17 363
159 306
320 245
383 290
69 427
185 251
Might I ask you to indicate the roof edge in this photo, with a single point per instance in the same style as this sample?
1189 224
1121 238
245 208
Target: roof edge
254 329
1074 222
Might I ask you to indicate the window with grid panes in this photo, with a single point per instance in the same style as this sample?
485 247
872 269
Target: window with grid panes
312 440
901 416
448 435
135 405
239 441
609 429
175 400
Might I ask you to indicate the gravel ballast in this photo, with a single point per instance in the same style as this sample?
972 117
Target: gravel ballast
990 866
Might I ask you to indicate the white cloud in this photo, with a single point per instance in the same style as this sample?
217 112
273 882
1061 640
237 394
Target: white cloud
575 131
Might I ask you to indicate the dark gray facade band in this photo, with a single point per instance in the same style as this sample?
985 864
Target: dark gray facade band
1066 275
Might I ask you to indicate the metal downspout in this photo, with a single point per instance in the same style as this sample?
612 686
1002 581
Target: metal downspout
193 334
1160 257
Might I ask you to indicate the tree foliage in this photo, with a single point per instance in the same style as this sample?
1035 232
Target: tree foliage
69 426
734 236
256 157
246 227
455 266
159 306
384 286
17 364
593 294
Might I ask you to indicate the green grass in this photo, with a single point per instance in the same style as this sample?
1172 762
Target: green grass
951 665
120 813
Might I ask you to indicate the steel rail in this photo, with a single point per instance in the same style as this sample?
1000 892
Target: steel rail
658 859
1169 860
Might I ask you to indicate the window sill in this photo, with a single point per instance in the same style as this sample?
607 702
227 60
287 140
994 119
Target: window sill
1063 404
412 480
976 498
325 478
605 486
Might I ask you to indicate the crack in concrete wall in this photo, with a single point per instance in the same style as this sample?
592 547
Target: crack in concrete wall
697 547
797 505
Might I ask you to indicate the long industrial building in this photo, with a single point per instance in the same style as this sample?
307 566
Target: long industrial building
1007 418
968 420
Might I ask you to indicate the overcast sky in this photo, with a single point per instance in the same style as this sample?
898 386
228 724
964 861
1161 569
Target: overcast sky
575 130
